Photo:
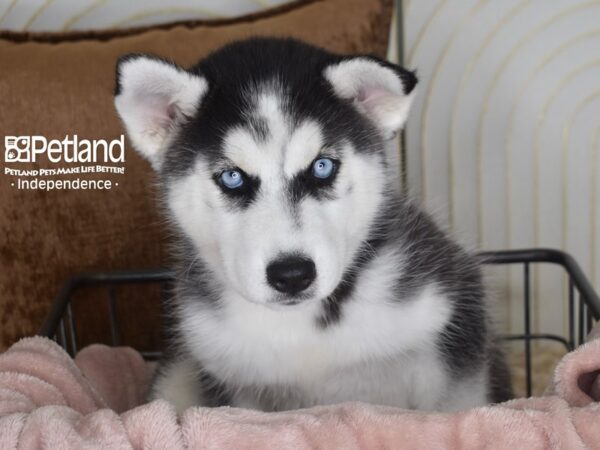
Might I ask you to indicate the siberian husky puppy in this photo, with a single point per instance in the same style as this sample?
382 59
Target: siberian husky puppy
304 276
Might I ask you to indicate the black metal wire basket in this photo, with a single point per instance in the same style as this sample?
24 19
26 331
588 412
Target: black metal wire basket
583 302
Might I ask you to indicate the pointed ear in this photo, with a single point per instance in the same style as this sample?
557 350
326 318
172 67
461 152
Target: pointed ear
153 97
383 92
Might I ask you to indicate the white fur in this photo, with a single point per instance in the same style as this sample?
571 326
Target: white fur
153 96
180 387
303 147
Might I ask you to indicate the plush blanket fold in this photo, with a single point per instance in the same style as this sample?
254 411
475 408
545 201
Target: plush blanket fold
48 400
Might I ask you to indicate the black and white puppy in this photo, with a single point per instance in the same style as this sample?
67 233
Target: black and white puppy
304 276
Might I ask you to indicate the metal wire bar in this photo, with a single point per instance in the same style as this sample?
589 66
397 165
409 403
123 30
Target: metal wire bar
571 300
400 54
527 337
538 336
581 326
548 255
72 330
151 356
112 312
59 306
61 334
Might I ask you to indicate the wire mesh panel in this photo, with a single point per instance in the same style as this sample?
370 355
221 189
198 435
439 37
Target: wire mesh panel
583 302
61 324
581 297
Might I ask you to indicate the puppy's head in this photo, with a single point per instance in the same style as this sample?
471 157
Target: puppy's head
273 157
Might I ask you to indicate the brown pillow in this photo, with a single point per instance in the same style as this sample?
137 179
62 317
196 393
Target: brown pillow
55 85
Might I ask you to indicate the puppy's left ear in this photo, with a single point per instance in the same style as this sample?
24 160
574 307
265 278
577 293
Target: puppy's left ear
383 92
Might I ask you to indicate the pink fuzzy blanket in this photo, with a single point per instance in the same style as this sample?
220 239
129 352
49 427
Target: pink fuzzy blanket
48 400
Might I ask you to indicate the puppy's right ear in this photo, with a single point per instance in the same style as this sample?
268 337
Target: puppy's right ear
153 97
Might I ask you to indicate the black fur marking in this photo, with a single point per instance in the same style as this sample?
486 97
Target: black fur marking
430 259
259 128
195 282
215 393
305 183
332 305
242 196
433 259
408 77
237 72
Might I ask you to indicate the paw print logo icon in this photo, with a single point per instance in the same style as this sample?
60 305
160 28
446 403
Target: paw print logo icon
17 148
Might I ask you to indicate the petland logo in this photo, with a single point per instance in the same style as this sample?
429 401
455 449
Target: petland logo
70 149
91 164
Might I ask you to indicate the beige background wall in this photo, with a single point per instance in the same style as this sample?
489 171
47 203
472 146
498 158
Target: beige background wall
504 140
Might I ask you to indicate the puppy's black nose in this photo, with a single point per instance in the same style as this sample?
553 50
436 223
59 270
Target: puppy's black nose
291 274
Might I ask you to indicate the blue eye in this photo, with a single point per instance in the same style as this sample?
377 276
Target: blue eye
323 168
232 179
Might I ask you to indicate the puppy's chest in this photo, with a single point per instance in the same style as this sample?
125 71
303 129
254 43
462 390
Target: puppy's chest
258 347
251 345
415 382
292 364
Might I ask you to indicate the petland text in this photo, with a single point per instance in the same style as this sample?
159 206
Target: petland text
70 150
